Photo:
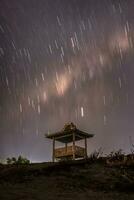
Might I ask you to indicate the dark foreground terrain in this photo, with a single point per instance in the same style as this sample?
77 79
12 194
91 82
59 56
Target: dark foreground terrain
82 180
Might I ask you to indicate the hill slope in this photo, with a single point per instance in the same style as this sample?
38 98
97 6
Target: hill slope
71 180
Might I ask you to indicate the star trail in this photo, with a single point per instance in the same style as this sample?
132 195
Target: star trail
65 61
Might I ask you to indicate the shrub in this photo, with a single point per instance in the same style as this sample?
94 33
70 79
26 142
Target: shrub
96 154
116 155
19 160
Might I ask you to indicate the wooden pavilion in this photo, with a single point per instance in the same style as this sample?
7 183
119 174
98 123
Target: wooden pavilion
69 134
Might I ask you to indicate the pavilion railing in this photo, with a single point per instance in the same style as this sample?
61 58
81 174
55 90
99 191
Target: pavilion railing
68 151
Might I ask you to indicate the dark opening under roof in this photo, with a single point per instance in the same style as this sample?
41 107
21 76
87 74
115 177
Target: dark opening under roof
66 134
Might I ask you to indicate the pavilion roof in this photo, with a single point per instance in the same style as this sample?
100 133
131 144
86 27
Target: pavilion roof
66 134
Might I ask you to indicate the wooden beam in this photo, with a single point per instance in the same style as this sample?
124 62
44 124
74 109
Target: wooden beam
73 146
53 154
63 136
67 135
85 148
66 147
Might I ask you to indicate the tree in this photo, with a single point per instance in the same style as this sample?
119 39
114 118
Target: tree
22 160
9 161
19 160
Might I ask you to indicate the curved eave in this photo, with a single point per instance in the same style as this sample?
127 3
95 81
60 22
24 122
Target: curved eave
67 136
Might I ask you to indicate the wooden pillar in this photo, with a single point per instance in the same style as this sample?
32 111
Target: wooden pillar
73 146
53 155
66 147
85 148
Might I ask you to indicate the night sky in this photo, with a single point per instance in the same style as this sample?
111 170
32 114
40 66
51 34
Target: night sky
65 61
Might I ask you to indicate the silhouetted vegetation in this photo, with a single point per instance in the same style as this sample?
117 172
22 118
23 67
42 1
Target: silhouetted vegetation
96 155
19 160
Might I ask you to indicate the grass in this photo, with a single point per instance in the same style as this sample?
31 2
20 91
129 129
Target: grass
67 180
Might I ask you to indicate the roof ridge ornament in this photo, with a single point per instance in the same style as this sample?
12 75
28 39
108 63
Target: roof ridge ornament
69 126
